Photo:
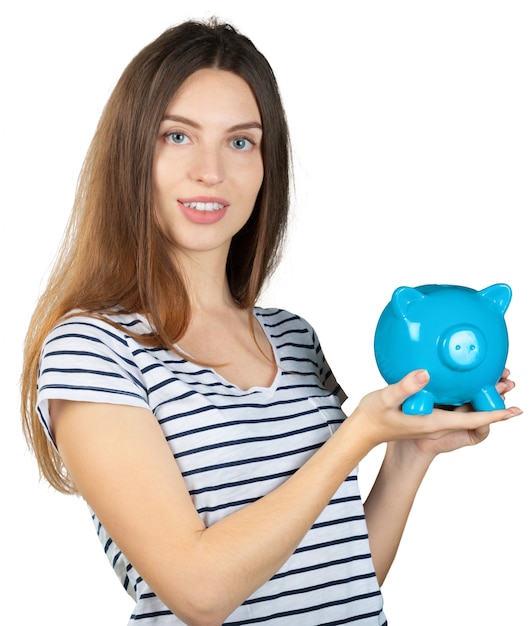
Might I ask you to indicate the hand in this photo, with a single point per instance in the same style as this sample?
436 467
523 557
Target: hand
467 437
426 435
505 384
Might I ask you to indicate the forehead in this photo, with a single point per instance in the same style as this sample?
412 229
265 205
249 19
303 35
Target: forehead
209 91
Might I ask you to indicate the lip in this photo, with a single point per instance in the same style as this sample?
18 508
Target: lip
205 199
203 217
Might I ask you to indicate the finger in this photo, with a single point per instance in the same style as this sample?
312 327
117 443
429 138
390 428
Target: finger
464 408
456 420
394 395
504 385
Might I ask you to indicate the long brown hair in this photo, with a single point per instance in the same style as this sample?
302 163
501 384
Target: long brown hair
113 253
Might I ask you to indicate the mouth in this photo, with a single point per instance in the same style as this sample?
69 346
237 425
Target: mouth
203 209
204 206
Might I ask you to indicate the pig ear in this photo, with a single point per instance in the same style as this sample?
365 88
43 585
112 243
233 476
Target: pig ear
402 298
497 296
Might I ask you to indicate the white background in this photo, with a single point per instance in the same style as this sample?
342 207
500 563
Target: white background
412 134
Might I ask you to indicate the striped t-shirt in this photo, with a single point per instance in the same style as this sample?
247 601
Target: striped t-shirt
232 447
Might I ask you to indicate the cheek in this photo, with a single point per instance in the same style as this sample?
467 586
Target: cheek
160 185
159 175
165 167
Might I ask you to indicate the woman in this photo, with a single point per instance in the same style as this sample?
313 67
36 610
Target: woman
206 434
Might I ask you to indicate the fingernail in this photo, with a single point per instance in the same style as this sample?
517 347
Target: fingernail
513 412
421 377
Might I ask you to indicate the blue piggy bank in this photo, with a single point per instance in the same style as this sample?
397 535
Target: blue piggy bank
456 333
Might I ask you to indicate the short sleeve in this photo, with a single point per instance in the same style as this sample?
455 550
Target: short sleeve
87 359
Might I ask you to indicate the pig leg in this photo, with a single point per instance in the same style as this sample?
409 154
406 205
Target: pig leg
487 399
421 403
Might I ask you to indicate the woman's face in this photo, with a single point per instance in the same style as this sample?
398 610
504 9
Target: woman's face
208 166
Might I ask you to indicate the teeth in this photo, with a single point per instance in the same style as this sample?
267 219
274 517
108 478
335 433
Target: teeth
204 206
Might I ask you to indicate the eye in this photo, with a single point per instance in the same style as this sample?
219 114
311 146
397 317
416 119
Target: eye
177 138
242 143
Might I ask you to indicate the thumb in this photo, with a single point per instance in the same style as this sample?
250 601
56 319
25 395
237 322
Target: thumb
406 387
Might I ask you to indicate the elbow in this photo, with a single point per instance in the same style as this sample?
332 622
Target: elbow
201 605
201 616
199 587
202 620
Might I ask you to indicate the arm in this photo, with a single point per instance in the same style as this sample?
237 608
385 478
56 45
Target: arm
389 502
120 461
404 466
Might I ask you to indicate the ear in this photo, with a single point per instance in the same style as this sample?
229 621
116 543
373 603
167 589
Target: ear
402 298
498 296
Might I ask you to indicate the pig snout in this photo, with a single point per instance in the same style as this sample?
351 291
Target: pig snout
463 348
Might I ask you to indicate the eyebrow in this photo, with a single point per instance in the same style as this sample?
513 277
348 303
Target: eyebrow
185 120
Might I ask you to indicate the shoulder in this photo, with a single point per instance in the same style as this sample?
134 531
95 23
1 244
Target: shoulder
295 331
84 337
94 352
283 319
106 328
92 359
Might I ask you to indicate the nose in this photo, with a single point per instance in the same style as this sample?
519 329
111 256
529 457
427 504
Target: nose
207 166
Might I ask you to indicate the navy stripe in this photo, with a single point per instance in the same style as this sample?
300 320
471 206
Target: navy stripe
257 459
240 483
312 608
332 542
334 522
237 442
150 615
227 505
93 355
325 565
97 389
291 344
303 590
281 322
100 328
76 370
222 408
296 331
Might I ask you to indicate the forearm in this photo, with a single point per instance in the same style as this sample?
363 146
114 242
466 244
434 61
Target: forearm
235 556
390 501
201 573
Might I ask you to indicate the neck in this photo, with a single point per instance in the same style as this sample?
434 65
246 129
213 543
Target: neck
207 282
